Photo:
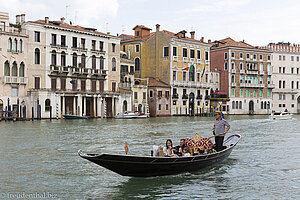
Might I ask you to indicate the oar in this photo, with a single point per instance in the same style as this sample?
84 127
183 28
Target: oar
215 135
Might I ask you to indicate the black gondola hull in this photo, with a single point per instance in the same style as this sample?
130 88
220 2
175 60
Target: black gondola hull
138 166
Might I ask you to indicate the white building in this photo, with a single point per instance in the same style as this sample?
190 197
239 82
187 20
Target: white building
73 70
286 76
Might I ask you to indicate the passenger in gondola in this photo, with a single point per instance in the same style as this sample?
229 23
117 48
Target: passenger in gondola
179 149
220 128
186 152
168 149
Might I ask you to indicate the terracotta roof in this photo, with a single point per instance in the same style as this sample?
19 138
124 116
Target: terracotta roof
228 42
155 83
142 27
66 25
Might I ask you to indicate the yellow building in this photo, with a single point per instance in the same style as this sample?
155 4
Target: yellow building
180 61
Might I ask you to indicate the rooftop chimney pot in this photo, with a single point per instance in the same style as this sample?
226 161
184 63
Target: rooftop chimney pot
192 34
62 20
157 27
47 20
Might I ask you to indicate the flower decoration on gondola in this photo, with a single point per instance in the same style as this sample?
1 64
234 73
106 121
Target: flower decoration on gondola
198 142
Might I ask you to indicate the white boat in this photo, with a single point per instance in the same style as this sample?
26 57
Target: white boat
130 115
280 115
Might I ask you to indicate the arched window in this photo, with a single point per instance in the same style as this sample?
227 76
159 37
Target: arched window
101 62
137 64
241 105
63 59
9 44
37 56
292 84
14 45
113 61
6 69
268 105
94 62
20 46
237 105
261 105
265 105
53 57
22 70
14 69
192 73
47 105
124 106
83 57
233 105
74 59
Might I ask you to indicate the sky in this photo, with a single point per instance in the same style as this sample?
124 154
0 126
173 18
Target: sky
258 22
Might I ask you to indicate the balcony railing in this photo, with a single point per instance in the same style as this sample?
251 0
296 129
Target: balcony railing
253 72
261 72
233 71
175 58
252 85
198 61
191 84
175 96
15 80
185 96
192 60
269 73
101 51
185 59
242 71
271 86
233 84
124 85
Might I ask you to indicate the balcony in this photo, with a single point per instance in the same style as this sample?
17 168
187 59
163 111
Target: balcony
175 58
199 97
261 73
15 80
252 72
198 61
125 85
242 71
175 96
185 96
233 84
233 71
192 60
54 68
269 73
185 59
190 84
251 85
98 51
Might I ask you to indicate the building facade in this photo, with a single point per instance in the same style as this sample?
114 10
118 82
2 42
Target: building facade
286 76
74 70
245 76
14 70
181 62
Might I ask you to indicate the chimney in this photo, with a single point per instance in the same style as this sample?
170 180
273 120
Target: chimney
18 19
62 20
157 27
202 39
47 20
192 34
22 20
209 41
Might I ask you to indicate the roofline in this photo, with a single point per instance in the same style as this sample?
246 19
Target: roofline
241 48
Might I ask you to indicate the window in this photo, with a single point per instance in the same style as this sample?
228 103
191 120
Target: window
167 106
101 45
192 53
63 58
233 105
283 84
82 85
82 43
241 66
74 42
53 57
225 66
37 59
184 103
94 62
167 94
114 64
101 86
241 55
151 93
22 70
292 70
279 69
198 77
269 57
74 60
159 106
254 93
260 57
279 83
14 69
36 82
174 75
240 105
174 51
83 59
137 64
260 93
269 93
283 70
14 92
184 52
254 56
248 93
144 95
247 55
184 76
93 85
283 58
53 84
206 55
63 84
9 45
292 85
159 94
14 45
135 95
297 85
137 48
113 47
166 51
37 36
232 55
53 39
292 58
20 46
47 105
241 93
293 97
225 56
63 40
297 58
184 91
6 69
232 65
198 54
101 62
279 57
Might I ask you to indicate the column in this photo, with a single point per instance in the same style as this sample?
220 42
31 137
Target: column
84 104
94 106
79 105
63 105
101 108
74 105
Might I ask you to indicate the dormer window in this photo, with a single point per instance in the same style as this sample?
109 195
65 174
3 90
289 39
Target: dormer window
183 35
137 33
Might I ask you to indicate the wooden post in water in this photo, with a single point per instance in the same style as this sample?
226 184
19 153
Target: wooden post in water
24 112
50 113
32 114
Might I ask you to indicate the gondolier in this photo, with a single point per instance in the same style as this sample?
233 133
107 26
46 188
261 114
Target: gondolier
219 130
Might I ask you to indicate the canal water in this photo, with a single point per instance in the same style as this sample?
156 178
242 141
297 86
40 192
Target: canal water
41 157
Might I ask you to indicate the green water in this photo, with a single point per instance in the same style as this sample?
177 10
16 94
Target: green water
41 156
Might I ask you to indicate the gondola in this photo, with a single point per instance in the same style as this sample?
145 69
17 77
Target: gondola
143 166
74 117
